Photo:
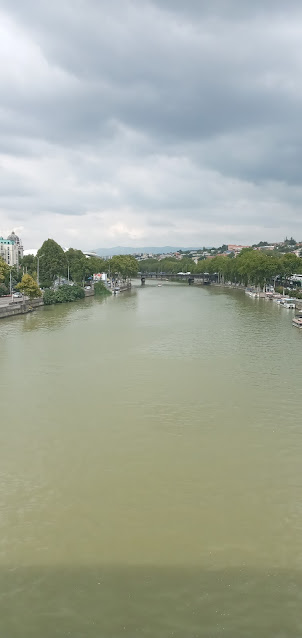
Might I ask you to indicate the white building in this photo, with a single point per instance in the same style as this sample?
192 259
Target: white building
90 253
11 249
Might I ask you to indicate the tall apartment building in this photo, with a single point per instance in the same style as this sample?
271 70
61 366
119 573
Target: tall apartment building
11 249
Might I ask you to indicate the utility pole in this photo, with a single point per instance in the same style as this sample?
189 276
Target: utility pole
10 283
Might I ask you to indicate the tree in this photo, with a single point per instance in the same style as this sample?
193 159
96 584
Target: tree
4 271
16 275
77 263
52 262
290 264
81 267
29 287
260 244
150 265
95 265
100 289
123 265
29 263
290 242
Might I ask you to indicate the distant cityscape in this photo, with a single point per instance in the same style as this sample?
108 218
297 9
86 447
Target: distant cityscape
286 246
12 251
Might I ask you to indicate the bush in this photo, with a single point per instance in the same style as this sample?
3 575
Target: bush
3 290
101 290
49 297
63 294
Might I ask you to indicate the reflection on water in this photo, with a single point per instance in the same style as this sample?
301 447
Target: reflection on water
150 462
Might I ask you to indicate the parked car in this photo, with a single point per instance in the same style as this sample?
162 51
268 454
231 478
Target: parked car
16 295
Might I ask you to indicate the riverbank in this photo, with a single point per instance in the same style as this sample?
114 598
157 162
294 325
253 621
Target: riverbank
260 295
64 294
13 309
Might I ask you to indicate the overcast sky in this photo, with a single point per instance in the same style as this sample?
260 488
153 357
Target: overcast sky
150 122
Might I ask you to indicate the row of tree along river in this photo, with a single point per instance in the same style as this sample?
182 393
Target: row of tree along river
52 270
250 267
53 264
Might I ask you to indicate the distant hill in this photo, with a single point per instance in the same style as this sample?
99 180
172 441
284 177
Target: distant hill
129 250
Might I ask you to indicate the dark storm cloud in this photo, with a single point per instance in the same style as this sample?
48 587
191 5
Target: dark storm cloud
188 110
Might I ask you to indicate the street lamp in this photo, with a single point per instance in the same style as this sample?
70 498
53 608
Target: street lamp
38 260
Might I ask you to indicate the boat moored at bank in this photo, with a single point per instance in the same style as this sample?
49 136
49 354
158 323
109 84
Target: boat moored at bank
297 320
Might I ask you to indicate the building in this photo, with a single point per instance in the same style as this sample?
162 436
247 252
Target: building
11 249
271 247
233 248
90 253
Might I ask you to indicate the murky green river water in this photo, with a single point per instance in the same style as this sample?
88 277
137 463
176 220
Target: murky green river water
151 468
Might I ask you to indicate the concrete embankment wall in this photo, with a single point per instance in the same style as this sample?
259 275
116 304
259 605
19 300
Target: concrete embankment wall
89 293
14 309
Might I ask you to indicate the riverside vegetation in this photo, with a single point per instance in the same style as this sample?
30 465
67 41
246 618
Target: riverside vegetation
101 290
55 264
63 294
250 267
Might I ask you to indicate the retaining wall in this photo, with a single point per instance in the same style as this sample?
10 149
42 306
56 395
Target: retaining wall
13 309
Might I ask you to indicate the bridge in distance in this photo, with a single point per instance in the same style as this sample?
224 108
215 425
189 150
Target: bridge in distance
203 278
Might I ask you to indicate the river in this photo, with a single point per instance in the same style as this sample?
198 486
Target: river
150 462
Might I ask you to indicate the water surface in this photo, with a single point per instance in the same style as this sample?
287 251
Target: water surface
150 463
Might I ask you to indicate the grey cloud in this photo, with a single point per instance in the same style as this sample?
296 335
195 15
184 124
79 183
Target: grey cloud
205 97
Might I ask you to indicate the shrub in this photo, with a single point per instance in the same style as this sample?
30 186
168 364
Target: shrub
49 297
63 294
101 290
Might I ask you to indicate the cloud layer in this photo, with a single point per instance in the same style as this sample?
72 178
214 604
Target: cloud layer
150 122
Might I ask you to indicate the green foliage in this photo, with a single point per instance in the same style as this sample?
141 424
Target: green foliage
3 290
291 264
296 293
95 265
260 244
123 265
49 297
290 242
29 263
101 290
149 265
168 265
29 287
77 265
252 267
81 267
16 274
4 271
63 294
52 262
255 267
